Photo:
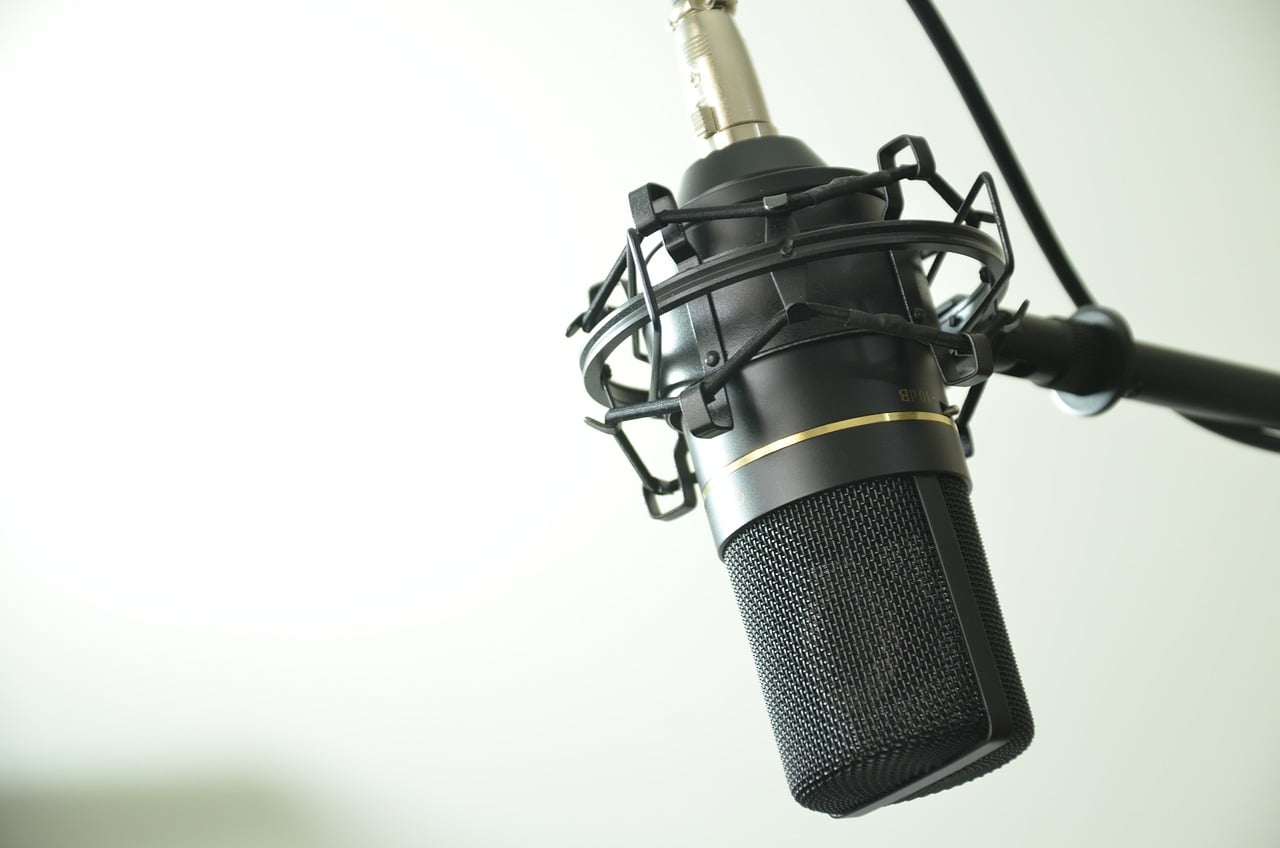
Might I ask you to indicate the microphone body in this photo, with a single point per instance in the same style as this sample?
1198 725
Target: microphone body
839 501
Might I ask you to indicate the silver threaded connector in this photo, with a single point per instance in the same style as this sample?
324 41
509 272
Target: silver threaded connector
721 88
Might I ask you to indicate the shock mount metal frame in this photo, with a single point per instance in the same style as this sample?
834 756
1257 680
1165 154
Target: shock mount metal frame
960 342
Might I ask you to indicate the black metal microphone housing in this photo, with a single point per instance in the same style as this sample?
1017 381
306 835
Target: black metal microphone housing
838 499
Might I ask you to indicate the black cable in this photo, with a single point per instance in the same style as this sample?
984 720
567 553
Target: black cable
1006 161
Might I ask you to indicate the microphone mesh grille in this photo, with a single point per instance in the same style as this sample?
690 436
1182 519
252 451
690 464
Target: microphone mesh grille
865 673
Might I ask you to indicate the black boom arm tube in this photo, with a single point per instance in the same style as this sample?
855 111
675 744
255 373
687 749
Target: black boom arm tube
1092 361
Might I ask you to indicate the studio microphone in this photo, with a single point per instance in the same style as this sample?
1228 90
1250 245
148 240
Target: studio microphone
799 355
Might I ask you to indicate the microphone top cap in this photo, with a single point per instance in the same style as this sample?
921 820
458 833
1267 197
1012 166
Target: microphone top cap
722 93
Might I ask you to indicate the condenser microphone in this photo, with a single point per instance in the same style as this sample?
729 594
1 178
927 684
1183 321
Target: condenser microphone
799 354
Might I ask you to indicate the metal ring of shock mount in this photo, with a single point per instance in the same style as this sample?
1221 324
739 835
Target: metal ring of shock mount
654 210
633 315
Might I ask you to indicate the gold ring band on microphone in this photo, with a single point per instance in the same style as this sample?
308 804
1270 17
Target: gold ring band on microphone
823 430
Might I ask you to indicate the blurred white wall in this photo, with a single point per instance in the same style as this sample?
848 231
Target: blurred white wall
302 541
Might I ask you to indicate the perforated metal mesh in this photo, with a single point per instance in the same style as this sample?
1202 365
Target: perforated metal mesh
864 669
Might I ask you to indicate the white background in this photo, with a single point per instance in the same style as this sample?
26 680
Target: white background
302 541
